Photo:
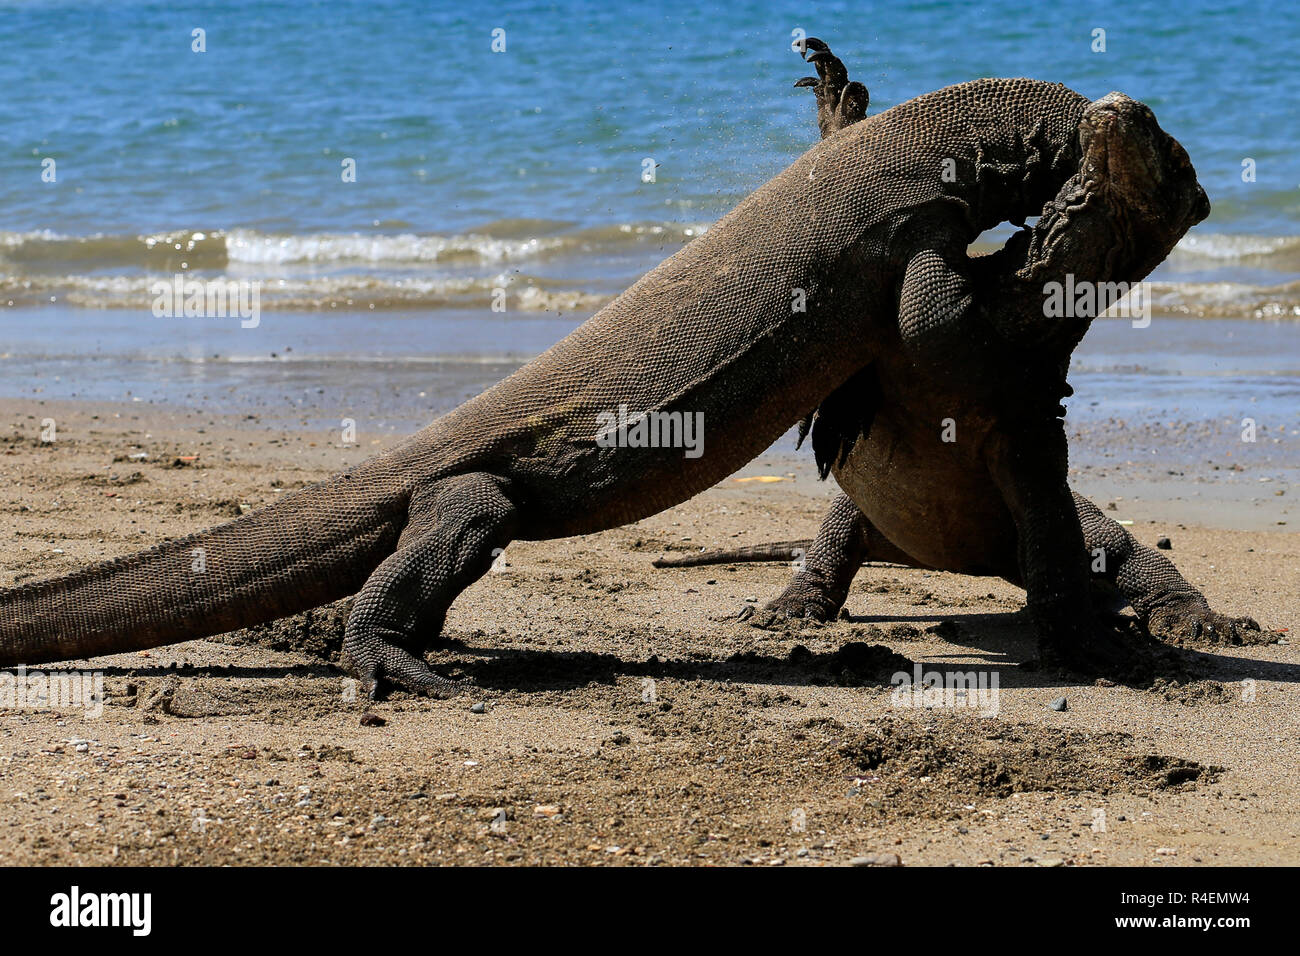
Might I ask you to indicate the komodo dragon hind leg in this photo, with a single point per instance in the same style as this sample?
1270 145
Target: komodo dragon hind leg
456 528
819 588
840 102
1168 606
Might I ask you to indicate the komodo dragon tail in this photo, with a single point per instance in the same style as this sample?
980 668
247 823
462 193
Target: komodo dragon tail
776 551
314 546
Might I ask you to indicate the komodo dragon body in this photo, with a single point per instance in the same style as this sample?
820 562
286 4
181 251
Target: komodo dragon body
968 480
863 231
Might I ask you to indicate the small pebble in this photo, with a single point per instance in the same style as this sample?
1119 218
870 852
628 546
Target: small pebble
372 720
479 708
877 859
1059 704
1164 544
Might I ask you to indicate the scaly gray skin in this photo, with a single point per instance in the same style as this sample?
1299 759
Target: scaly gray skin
988 502
862 222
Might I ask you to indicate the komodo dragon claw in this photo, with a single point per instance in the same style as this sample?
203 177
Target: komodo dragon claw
829 66
384 663
1192 621
430 685
814 44
840 103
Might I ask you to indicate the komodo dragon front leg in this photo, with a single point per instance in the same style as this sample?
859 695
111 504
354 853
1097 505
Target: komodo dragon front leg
1167 605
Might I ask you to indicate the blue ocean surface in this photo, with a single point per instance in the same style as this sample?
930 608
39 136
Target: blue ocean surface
522 169
450 137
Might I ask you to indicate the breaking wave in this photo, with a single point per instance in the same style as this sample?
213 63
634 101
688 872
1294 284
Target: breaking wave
500 242
570 269
352 292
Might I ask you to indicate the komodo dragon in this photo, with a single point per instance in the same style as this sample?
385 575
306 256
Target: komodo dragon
913 498
857 246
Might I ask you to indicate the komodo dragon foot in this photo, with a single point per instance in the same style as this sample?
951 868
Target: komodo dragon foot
455 527
1103 645
389 664
1191 620
840 102
821 585
1168 606
807 598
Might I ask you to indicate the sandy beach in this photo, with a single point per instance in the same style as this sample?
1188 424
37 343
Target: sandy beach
625 719
243 252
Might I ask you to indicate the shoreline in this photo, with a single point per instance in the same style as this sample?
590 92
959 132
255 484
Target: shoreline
1189 473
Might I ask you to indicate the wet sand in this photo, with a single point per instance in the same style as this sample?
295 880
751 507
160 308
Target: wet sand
623 722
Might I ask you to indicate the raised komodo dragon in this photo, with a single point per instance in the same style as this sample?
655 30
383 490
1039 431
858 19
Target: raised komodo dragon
855 251
993 499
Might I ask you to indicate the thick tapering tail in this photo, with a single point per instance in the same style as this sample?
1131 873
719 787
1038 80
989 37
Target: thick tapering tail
315 546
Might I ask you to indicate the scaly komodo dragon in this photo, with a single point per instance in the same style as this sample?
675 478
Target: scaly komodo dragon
867 232
979 504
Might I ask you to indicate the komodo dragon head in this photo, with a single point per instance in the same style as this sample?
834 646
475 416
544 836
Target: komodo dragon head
1134 196
1145 176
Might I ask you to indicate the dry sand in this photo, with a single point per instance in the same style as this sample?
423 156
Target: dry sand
624 723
